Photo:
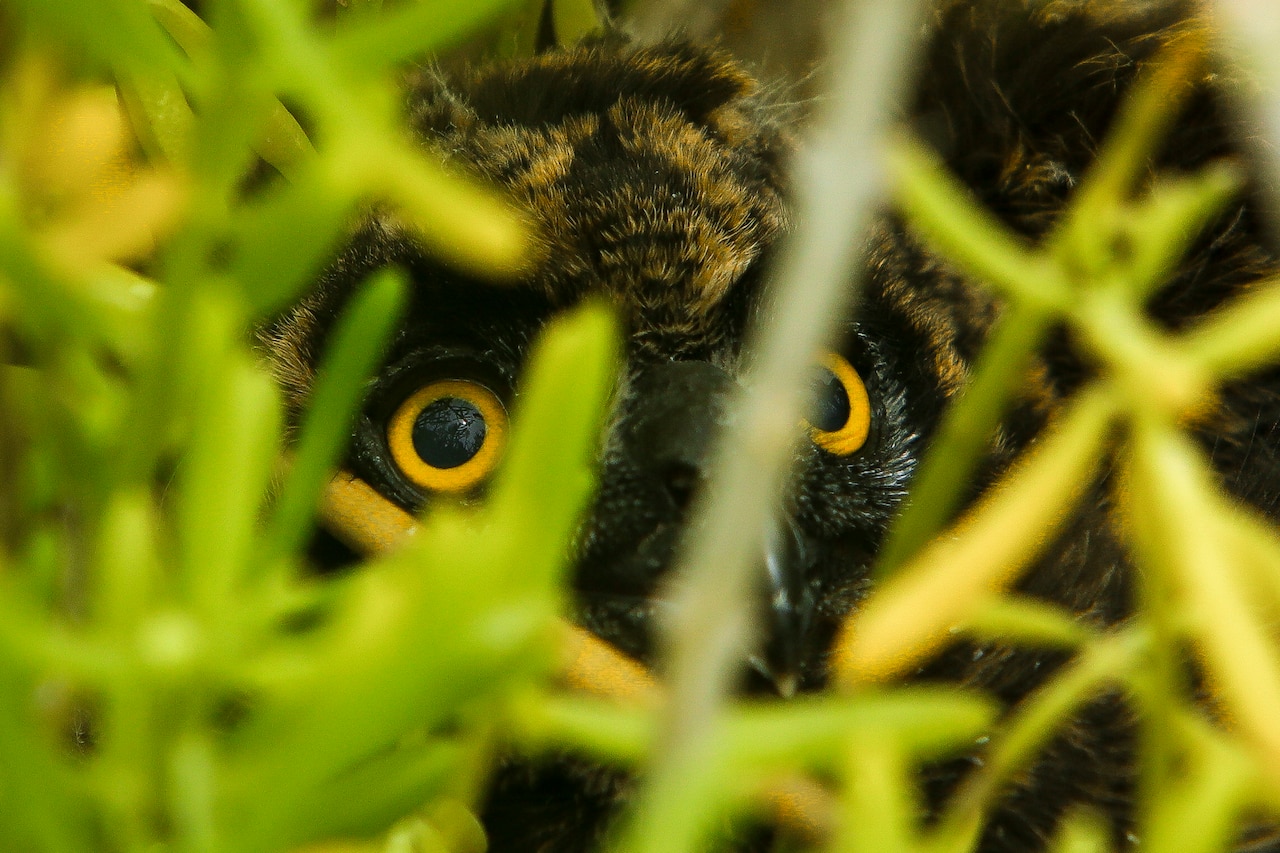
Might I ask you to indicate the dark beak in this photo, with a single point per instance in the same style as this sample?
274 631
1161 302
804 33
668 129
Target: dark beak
787 609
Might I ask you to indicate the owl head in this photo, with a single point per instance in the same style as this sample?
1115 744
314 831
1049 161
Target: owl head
653 178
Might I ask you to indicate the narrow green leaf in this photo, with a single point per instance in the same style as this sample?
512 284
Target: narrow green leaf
1031 725
283 143
1174 485
372 795
944 211
877 804
354 349
1027 621
962 438
158 110
924 722
1241 336
552 454
284 239
1173 213
457 219
223 483
128 564
185 27
602 728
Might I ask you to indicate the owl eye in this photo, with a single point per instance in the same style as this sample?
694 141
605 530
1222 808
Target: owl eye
841 416
448 435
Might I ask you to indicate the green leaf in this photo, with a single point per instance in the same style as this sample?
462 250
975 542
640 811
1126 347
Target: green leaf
457 219
985 553
158 110
551 459
283 240
117 32
223 484
355 346
1028 621
373 794
186 27
1241 336
966 428
944 211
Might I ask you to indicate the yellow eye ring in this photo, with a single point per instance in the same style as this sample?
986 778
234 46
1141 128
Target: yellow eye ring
448 435
847 427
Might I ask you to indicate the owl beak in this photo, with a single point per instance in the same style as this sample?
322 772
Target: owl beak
788 609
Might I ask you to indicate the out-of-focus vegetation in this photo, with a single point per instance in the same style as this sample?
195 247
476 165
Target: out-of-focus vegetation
171 678
169 673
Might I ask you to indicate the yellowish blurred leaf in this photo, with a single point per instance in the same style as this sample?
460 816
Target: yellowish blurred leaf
80 146
122 223
952 577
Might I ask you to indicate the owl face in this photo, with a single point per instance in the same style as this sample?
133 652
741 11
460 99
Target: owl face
653 177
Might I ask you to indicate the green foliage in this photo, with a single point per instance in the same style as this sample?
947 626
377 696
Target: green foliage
1201 588
171 678
170 675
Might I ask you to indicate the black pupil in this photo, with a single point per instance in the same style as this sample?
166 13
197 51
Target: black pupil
831 408
449 432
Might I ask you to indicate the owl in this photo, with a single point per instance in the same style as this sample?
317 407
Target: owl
655 175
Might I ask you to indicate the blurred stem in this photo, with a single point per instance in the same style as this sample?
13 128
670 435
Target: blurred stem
838 178
1083 242
1242 336
877 811
659 19
1177 488
1252 30
1031 725
970 236
966 428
